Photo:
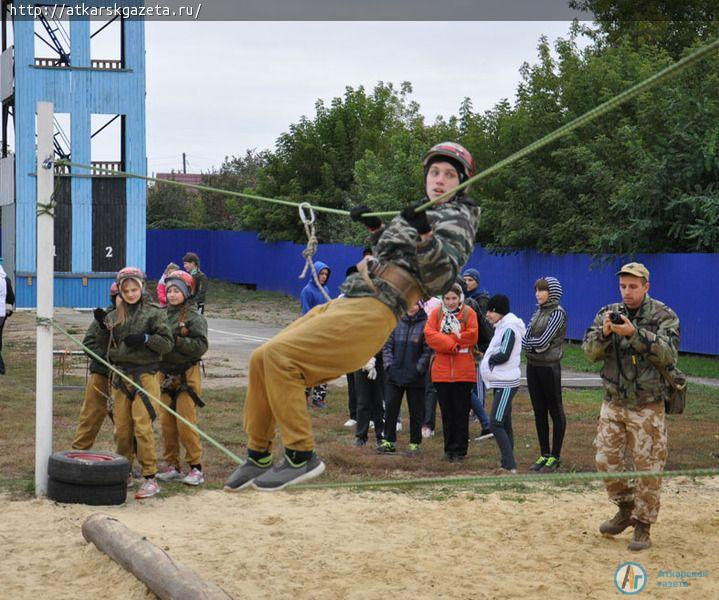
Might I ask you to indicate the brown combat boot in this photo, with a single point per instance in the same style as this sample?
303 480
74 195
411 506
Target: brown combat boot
641 539
620 521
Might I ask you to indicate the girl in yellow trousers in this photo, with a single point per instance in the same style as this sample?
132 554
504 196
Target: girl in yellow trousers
94 406
139 336
181 389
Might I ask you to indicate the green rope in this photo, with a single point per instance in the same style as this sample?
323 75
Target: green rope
216 444
587 117
205 188
506 479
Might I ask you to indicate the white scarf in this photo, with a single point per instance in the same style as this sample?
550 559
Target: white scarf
450 323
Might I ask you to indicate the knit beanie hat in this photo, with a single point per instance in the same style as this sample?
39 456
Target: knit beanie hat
473 273
498 303
179 284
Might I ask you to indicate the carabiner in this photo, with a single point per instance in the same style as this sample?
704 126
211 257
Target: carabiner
303 217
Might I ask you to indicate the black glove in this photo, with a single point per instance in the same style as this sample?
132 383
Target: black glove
100 315
418 220
135 340
369 222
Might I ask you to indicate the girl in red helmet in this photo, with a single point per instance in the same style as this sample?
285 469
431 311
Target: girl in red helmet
139 336
181 385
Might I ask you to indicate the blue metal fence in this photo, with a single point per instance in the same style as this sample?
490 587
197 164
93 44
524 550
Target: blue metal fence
689 283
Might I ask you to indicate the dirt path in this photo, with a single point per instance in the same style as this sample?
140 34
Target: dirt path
328 545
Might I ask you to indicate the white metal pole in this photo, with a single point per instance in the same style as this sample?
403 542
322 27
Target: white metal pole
44 286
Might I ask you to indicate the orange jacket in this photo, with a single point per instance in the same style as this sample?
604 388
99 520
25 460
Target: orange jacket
454 359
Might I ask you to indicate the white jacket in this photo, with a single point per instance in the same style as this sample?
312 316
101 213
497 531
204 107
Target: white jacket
506 374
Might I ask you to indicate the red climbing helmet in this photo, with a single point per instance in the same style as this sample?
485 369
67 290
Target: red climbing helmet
454 151
183 276
130 273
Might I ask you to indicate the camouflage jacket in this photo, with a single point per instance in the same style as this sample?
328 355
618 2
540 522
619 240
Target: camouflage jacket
435 262
97 339
200 286
187 348
628 374
143 317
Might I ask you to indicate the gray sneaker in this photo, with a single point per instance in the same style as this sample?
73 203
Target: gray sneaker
243 476
288 473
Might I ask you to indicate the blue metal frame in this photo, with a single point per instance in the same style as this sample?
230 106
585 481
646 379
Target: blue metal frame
80 91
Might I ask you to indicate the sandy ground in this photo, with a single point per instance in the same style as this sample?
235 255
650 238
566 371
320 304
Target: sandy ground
332 544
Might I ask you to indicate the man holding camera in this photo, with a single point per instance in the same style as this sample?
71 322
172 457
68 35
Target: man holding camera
634 339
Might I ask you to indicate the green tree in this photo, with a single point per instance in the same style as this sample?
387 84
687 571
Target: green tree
169 207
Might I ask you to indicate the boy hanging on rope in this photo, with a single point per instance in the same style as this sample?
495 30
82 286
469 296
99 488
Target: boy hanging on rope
417 255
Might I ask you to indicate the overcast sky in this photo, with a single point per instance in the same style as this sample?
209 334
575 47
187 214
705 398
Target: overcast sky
217 89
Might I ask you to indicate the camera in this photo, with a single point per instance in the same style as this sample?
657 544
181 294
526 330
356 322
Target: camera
616 318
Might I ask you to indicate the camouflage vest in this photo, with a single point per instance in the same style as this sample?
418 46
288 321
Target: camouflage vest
629 377
539 322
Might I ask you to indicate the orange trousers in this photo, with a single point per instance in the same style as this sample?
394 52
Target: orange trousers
332 339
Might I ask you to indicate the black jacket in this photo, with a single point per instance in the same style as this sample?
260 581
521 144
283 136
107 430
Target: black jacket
405 354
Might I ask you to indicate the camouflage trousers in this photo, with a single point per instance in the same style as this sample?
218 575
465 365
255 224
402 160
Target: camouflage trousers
633 439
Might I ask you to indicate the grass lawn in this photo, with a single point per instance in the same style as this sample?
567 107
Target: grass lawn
693 365
693 437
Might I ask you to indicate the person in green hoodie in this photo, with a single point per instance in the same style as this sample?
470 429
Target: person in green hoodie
181 385
139 336
191 262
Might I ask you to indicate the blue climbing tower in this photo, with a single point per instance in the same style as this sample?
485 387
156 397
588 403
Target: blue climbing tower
99 217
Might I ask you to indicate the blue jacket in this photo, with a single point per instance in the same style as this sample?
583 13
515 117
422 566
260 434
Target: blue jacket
311 295
405 354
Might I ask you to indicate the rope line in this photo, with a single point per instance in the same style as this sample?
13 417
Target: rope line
587 117
519 478
201 187
216 444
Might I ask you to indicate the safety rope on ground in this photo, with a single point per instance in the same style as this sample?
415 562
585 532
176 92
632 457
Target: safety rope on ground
215 443
589 116
312 243
508 479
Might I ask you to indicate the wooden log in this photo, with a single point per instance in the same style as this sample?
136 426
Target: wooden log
167 578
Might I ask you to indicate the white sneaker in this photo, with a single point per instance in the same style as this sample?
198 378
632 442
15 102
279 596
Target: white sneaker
170 474
399 426
427 432
149 488
194 477
371 424
350 423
